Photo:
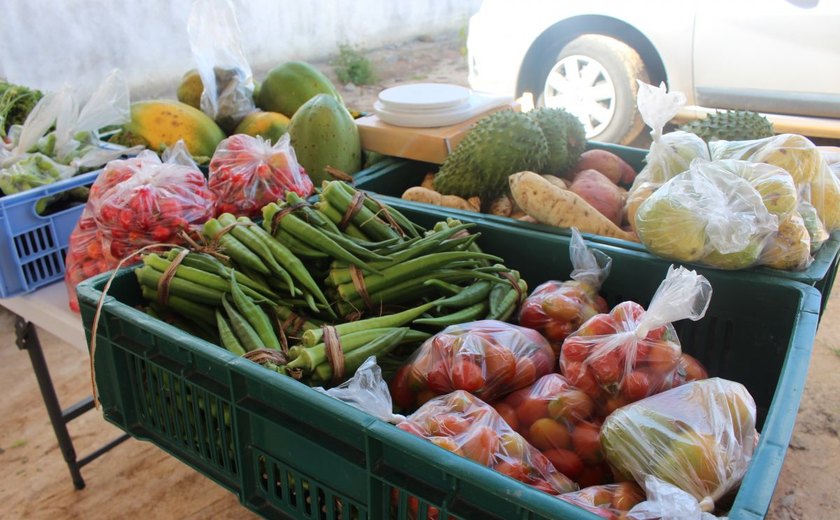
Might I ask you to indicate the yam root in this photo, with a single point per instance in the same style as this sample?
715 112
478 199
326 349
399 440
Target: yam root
611 165
502 206
428 181
596 189
558 207
425 195
553 179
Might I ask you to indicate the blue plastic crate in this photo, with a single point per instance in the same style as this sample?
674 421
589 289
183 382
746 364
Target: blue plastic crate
33 247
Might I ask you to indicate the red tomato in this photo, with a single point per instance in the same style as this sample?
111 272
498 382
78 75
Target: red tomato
598 325
586 441
438 377
466 375
412 428
607 367
662 358
557 331
567 462
448 424
627 314
529 410
580 376
531 315
576 348
525 373
500 364
626 495
571 405
561 308
547 434
636 385
401 394
507 412
513 468
591 476
480 444
691 369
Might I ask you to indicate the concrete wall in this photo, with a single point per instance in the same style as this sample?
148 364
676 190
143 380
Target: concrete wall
49 43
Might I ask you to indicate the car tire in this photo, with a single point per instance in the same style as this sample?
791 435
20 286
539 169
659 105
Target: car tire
605 99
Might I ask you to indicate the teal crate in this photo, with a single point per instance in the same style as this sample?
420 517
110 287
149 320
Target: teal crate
33 246
393 176
288 451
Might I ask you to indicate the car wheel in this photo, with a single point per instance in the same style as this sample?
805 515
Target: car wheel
594 77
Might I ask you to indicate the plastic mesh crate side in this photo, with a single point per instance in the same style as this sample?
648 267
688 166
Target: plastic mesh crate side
34 246
295 434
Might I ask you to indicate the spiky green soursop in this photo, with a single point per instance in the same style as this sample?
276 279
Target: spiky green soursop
731 125
499 145
565 135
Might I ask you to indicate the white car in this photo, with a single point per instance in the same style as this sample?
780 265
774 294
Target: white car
777 57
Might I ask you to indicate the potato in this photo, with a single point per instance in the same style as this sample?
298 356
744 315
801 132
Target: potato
553 179
428 181
596 189
421 194
502 206
555 206
611 165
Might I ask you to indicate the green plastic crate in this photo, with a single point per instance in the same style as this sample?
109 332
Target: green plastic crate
288 451
393 176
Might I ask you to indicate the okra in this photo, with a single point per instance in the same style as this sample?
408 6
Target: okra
227 336
255 316
241 230
232 247
187 308
335 216
409 228
307 358
245 333
150 277
367 221
380 346
474 312
471 295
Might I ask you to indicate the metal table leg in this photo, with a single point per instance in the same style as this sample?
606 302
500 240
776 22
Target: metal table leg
27 339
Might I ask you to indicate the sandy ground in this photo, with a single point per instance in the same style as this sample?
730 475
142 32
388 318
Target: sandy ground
137 480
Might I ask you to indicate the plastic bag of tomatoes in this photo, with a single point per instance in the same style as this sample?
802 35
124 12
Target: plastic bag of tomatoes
631 353
611 501
246 173
559 420
558 308
464 424
133 203
487 358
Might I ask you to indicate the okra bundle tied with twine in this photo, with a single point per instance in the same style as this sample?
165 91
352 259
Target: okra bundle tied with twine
316 288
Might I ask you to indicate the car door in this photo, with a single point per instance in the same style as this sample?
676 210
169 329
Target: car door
775 56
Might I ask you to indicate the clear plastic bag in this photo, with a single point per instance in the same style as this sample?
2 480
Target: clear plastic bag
699 437
464 424
559 420
632 353
610 501
487 358
670 153
558 308
134 203
216 43
246 173
709 215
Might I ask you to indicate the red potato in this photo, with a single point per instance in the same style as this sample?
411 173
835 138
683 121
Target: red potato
611 165
596 189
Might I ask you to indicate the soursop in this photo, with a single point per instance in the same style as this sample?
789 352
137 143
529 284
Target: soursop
565 135
731 125
497 146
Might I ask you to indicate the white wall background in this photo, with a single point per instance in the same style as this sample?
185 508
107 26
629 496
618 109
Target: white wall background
49 43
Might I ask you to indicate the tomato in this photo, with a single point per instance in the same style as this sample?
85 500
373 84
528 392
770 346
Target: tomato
636 385
626 495
531 315
580 376
557 331
561 308
575 348
613 403
481 444
627 315
525 373
438 377
607 367
413 428
401 394
445 442
467 376
500 364
567 462
546 434
690 368
662 359
513 468
586 441
601 304
424 396
531 409
591 476
448 424
513 446
571 405
598 325
508 414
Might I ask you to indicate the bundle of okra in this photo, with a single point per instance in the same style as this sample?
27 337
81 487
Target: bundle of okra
322 286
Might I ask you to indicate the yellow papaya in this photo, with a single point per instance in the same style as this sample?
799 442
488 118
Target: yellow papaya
268 125
288 86
190 89
162 122
324 134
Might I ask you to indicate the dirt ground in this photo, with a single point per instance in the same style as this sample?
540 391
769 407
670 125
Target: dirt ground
138 480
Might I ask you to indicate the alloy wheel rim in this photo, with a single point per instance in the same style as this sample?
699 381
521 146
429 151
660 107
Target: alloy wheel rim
584 88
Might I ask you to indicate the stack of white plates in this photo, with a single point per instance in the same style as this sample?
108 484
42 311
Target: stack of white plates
426 105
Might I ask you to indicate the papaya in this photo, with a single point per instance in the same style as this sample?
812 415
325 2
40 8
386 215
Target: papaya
288 86
190 89
268 125
323 133
162 122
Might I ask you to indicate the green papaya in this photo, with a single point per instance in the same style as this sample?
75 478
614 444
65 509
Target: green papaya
288 86
323 133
